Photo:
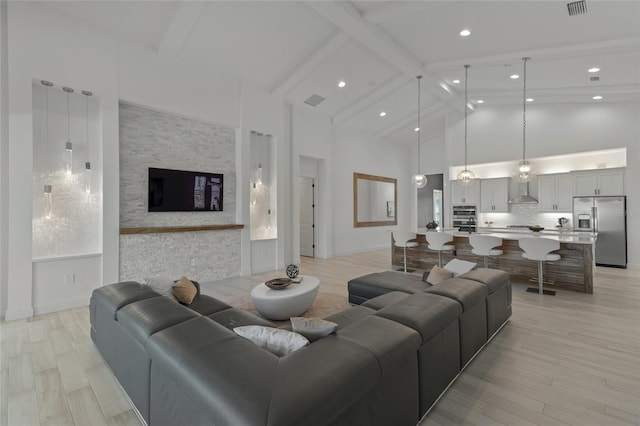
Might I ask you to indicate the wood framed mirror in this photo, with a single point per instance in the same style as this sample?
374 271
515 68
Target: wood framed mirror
375 200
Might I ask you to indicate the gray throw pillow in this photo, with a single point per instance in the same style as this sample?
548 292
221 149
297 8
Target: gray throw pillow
312 328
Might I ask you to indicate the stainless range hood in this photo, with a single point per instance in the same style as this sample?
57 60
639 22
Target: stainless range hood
524 198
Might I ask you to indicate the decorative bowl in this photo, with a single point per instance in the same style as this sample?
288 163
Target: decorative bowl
536 228
278 283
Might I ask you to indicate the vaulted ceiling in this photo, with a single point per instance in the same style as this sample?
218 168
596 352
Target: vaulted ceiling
300 48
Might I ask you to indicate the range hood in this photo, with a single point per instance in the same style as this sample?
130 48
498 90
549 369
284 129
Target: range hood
524 198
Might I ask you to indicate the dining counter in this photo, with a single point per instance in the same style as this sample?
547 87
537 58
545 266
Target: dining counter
573 272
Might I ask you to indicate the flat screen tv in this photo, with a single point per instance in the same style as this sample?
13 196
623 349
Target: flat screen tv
184 191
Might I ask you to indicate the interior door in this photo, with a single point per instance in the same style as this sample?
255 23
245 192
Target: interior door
306 189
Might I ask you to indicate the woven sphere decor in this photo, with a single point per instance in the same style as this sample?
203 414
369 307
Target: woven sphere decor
292 271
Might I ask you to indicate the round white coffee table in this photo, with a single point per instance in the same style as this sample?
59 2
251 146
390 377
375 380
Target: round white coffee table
288 302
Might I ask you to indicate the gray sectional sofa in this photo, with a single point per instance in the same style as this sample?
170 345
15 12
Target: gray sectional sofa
387 362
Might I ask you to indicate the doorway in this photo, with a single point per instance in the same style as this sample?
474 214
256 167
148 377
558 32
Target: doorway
307 191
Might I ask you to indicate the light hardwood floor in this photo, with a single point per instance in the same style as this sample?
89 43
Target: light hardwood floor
572 359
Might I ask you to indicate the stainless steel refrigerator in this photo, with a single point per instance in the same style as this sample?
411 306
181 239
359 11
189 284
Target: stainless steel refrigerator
607 217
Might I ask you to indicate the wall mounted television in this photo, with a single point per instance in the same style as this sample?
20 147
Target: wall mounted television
184 191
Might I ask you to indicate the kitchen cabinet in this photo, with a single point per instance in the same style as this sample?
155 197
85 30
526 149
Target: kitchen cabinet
598 182
555 192
465 194
494 195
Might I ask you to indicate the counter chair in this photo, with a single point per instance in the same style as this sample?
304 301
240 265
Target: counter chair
438 242
404 239
540 249
484 245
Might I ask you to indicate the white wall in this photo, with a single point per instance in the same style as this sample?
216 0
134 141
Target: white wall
4 155
357 151
495 134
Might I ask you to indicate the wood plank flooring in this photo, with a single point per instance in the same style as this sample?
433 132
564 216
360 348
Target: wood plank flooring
569 359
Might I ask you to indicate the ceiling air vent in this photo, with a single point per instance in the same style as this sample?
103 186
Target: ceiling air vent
577 7
594 79
314 100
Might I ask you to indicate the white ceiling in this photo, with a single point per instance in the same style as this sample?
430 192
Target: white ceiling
300 48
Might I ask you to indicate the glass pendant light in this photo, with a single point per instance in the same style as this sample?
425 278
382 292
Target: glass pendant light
465 176
525 171
419 180
87 164
68 146
48 188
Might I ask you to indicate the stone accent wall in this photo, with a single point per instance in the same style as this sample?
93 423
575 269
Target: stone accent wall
150 138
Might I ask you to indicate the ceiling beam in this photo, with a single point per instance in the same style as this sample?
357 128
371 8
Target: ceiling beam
539 55
320 56
435 110
371 98
180 27
347 18
515 96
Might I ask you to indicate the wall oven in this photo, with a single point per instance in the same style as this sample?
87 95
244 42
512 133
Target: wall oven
464 218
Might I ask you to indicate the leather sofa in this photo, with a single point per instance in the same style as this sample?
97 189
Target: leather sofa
387 363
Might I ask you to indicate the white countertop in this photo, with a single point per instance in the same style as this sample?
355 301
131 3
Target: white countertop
515 234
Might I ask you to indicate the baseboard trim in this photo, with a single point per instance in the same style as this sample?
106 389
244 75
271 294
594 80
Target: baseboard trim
18 314
360 250
61 306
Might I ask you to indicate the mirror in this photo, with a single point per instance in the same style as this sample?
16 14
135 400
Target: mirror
374 200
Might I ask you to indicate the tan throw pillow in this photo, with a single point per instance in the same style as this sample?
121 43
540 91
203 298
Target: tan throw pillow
312 328
184 291
438 274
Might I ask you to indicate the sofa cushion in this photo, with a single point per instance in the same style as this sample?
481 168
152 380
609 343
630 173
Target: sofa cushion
206 305
385 300
277 341
369 286
426 313
492 278
467 292
350 315
231 318
113 297
312 328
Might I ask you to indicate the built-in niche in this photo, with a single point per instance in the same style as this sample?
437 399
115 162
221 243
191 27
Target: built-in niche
430 202
263 225
67 179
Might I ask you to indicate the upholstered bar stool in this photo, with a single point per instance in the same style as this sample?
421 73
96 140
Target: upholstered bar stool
403 239
438 241
484 245
540 249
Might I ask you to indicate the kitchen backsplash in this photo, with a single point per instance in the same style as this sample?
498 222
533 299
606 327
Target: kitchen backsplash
523 214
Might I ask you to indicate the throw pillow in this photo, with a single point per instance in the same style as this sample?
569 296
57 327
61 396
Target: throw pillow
459 267
438 274
312 328
277 341
161 285
185 291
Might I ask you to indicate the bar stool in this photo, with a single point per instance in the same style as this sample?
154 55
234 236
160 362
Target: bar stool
540 249
483 245
438 241
403 239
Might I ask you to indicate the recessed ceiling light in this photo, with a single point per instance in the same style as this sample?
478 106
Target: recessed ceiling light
341 84
514 76
465 33
597 97
456 81
594 69
479 101
416 129
382 114
529 99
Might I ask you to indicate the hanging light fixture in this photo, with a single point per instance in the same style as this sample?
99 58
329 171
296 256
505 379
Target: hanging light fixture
419 180
68 146
465 176
87 164
48 188
525 172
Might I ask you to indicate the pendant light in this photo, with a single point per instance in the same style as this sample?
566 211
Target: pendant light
465 176
48 188
525 173
68 146
419 180
87 164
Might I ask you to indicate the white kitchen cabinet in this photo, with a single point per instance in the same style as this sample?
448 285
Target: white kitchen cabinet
465 194
598 182
555 193
494 195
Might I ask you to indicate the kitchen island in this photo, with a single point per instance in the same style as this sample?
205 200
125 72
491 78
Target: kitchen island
573 272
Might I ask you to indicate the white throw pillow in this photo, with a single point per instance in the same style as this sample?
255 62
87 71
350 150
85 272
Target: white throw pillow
161 285
277 341
312 328
459 267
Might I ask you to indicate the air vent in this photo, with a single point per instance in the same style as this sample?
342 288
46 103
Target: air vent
314 100
577 7
594 79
